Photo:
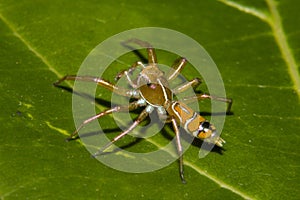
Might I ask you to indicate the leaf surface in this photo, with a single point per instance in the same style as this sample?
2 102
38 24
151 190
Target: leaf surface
255 46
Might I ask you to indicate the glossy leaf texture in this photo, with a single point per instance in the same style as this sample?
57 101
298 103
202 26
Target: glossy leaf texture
255 45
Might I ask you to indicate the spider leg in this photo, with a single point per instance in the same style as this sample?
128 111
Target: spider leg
207 96
151 56
179 149
101 82
140 118
128 72
177 68
150 50
193 83
132 106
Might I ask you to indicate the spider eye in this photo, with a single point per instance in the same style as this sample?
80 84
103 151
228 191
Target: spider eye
151 85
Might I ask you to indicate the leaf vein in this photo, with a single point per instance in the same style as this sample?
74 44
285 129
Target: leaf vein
28 45
249 10
203 173
273 19
260 86
281 40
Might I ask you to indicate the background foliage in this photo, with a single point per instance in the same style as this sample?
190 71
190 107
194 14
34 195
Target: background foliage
255 45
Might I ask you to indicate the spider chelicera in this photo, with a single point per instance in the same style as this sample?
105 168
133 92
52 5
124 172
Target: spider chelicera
151 91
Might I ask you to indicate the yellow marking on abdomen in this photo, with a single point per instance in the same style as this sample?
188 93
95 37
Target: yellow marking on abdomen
189 119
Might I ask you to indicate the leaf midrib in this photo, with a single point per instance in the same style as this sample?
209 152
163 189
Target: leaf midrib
273 19
284 47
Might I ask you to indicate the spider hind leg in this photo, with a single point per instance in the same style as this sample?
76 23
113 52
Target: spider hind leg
140 118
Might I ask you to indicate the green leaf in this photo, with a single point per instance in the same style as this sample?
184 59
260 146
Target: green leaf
255 46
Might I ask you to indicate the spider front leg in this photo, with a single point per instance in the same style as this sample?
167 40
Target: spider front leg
129 72
140 118
179 149
101 82
177 68
150 50
130 107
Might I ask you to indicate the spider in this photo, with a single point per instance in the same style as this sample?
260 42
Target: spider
151 91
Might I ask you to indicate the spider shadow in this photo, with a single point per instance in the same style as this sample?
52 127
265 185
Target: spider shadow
135 51
208 146
94 133
129 144
204 113
86 96
184 135
108 131
105 131
195 141
122 147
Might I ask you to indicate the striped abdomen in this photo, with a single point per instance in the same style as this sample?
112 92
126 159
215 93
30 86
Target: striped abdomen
186 117
193 123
